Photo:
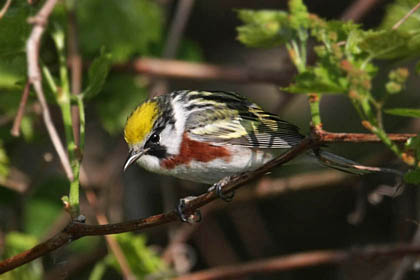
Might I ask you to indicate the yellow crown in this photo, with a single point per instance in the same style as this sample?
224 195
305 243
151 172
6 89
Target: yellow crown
140 123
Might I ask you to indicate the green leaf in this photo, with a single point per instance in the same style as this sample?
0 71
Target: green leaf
390 44
319 80
413 144
12 71
397 10
4 163
264 28
17 242
299 15
142 260
97 75
412 177
43 206
39 214
115 104
404 112
14 28
127 28
98 271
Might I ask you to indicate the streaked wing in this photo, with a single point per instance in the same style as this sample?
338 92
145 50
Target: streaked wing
224 117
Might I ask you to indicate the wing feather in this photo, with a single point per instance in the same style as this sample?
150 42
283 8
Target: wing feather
237 121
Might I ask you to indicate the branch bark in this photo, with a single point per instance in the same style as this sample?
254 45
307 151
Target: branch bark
21 111
327 137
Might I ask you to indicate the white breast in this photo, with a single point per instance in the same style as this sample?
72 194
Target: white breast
242 159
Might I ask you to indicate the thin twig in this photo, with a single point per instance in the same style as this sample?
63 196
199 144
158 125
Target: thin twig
35 78
21 111
300 260
74 230
202 71
75 63
176 30
110 240
358 9
401 21
326 136
5 8
16 181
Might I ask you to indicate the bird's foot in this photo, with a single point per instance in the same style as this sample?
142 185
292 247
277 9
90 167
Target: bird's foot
191 218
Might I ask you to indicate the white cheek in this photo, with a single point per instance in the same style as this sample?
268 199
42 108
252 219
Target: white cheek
171 136
171 139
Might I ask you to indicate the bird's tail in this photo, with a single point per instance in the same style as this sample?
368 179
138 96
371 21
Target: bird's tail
334 161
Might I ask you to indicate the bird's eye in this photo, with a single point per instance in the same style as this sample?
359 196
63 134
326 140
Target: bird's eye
155 138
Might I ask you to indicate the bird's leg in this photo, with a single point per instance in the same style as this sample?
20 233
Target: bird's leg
192 218
80 219
218 188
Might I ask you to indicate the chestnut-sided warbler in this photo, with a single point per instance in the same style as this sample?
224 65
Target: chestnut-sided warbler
203 136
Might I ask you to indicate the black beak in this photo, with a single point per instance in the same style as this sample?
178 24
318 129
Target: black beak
133 156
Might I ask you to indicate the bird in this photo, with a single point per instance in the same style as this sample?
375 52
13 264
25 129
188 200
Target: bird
204 136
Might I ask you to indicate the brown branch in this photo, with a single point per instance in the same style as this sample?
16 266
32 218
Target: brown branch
176 30
16 181
35 78
299 260
74 230
21 111
178 24
5 8
326 137
358 9
203 71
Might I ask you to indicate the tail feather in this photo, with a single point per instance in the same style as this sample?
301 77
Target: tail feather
337 162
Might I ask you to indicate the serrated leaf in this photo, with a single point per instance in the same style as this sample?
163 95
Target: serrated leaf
264 28
397 10
390 44
404 112
412 177
98 72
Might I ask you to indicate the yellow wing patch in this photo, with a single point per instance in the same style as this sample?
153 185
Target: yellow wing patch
140 123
